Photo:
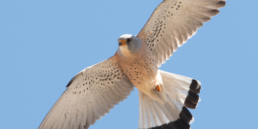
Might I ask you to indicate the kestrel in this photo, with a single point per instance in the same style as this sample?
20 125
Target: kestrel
164 97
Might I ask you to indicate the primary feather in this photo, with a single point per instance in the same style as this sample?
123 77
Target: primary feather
175 21
164 97
89 96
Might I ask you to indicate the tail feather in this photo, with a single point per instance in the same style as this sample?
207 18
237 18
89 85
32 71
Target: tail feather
181 93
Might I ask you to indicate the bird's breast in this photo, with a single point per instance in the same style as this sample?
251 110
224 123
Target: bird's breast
141 71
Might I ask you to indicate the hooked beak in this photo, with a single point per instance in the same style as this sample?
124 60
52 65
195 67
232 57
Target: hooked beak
121 42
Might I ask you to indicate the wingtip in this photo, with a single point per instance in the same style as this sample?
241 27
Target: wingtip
221 3
70 82
195 86
192 98
183 122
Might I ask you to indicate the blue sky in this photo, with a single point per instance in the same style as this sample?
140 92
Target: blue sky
43 44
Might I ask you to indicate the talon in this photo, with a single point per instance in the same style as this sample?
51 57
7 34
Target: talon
158 88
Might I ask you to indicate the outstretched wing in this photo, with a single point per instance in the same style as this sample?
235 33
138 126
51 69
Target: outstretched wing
175 21
89 96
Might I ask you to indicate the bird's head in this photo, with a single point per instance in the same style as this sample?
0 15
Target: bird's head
128 44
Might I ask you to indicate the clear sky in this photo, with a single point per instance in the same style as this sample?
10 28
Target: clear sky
43 44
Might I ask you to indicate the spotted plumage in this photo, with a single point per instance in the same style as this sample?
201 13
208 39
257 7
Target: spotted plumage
164 97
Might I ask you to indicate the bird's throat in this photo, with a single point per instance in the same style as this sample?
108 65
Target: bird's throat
124 50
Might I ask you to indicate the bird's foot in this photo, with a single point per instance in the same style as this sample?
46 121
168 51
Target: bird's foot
158 88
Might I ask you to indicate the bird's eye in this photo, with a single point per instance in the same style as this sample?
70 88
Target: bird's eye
128 40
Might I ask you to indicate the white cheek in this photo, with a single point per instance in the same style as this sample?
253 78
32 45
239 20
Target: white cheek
124 50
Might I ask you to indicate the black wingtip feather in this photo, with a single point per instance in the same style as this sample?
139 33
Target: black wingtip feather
188 103
185 115
71 81
194 87
181 123
213 12
221 4
192 98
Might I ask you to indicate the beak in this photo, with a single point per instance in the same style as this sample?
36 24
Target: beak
121 42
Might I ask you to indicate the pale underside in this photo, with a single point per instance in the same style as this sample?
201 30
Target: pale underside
142 71
89 96
96 89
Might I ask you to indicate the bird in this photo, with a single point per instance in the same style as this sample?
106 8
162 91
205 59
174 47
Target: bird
164 98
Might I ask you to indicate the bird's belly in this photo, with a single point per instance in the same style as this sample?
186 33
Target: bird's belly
143 74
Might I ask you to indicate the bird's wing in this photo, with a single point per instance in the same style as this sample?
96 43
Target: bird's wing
175 21
89 96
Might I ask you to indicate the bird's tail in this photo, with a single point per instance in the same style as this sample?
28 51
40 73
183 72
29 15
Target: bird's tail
181 93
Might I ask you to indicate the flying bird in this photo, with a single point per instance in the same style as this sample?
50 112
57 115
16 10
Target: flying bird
164 97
